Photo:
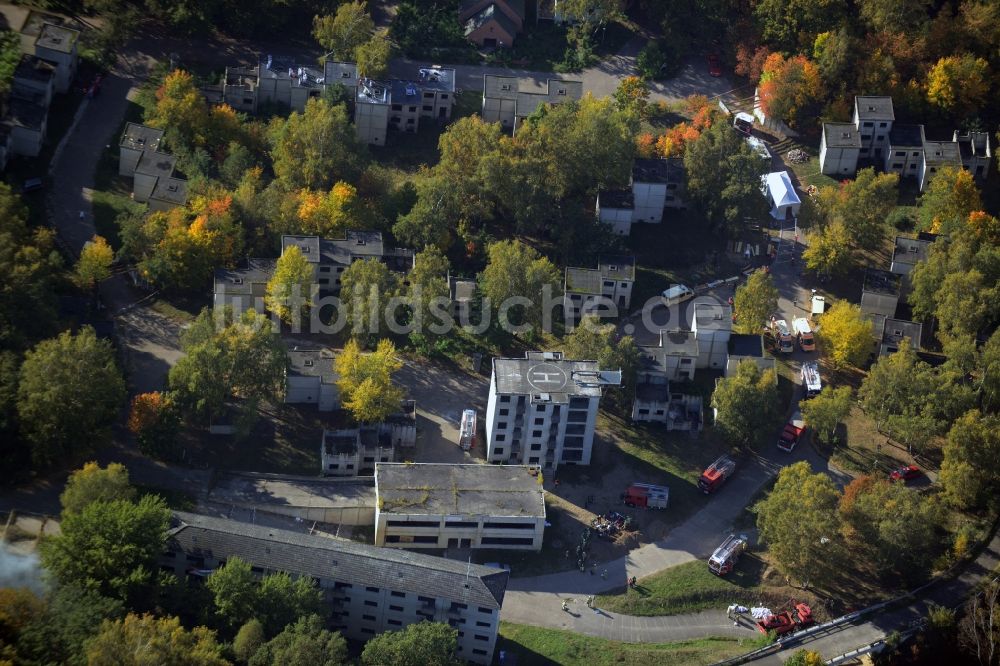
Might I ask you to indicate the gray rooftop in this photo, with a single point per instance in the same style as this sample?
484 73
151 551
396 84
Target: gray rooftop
530 93
616 199
155 163
440 79
471 490
678 343
461 290
342 251
895 330
713 317
33 68
171 190
141 137
374 92
746 345
589 280
338 559
882 282
942 153
874 108
248 281
57 38
909 136
670 170
286 68
312 363
841 135
345 73
910 250
26 114
547 374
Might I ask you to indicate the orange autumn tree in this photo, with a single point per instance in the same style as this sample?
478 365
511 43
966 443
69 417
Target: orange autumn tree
645 145
789 89
327 214
673 142
154 420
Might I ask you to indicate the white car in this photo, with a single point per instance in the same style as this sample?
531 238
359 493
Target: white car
676 293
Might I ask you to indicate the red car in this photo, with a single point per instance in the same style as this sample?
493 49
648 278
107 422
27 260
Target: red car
779 623
907 473
714 68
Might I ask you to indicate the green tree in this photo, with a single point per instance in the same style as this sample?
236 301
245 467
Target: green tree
846 335
429 292
632 96
304 643
970 455
754 302
316 148
786 22
289 291
806 658
244 358
593 14
421 644
69 393
365 381
342 33
151 641
834 54
593 341
894 15
439 208
829 251
959 84
746 404
864 203
282 600
950 198
180 110
797 520
373 56
234 588
365 289
826 411
111 548
10 56
516 271
92 483
94 264
248 640
72 616
989 373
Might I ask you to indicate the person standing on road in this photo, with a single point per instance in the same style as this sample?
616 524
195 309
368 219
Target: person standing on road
604 575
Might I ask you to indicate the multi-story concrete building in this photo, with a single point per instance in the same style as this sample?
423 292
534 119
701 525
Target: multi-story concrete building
169 193
331 257
135 141
675 357
873 118
975 150
509 100
26 122
37 75
616 208
839 149
243 288
354 450
880 292
712 325
151 170
605 291
908 252
890 334
672 360
371 111
311 380
905 152
462 294
656 184
542 409
368 590
426 505
937 155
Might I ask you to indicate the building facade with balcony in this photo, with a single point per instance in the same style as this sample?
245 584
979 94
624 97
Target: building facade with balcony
367 590
431 505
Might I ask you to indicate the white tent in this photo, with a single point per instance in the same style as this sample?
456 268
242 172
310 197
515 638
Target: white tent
778 188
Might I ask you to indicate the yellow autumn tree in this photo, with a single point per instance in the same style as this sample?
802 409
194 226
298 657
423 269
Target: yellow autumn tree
289 289
180 109
94 263
846 334
958 84
328 214
365 381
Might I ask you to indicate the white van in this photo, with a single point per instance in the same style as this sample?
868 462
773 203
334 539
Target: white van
676 293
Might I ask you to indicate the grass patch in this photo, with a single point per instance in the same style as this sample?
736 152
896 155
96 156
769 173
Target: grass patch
537 645
688 588
181 310
107 207
809 173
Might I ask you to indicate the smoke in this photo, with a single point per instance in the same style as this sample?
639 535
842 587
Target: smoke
20 570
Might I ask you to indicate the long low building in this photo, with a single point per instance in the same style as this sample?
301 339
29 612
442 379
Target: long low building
369 590
431 505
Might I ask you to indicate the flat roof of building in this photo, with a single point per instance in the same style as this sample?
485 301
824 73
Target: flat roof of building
658 170
910 136
435 77
881 282
675 342
446 489
312 363
345 73
141 137
910 250
894 331
33 68
547 375
24 113
617 267
374 92
330 558
841 135
713 317
461 289
172 190
155 163
938 153
746 345
242 281
874 108
616 199
57 38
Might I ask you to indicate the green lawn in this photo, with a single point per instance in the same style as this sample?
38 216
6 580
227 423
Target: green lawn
687 588
536 645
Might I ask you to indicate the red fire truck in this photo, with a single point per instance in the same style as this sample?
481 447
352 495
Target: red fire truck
646 496
716 474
